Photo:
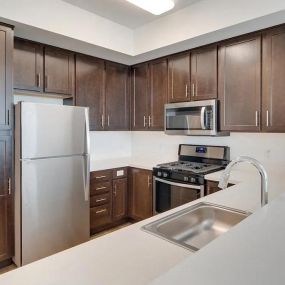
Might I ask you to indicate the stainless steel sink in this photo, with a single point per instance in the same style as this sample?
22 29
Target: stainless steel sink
196 226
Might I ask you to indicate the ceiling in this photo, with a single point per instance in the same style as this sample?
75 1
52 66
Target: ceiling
123 12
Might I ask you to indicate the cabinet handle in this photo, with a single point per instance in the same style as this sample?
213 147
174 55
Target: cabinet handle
256 118
149 121
101 211
108 120
115 190
101 200
193 90
148 181
102 121
267 118
8 117
134 98
38 80
100 188
9 186
99 177
186 90
144 121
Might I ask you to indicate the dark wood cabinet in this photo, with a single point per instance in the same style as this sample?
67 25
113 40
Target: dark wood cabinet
179 78
116 97
158 94
6 199
58 71
6 87
240 84
204 73
28 66
213 187
90 88
139 98
273 72
120 188
141 194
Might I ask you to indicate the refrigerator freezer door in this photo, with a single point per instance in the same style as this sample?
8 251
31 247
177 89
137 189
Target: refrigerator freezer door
52 130
55 211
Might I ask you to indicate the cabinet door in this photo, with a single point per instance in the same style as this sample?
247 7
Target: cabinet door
141 198
117 97
59 71
6 205
273 115
89 88
6 85
139 89
158 94
28 66
179 78
204 73
120 187
240 84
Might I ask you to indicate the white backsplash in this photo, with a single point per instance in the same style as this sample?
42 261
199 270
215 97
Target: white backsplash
106 145
268 148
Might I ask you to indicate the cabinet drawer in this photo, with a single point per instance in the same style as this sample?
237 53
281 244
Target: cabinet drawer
99 200
103 175
100 216
120 172
99 188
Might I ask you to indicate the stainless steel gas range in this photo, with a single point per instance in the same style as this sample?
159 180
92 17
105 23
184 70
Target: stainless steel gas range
182 181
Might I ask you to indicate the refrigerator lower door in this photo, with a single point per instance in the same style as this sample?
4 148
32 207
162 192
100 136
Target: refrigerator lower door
55 207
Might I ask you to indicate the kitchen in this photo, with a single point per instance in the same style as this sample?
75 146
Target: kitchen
155 96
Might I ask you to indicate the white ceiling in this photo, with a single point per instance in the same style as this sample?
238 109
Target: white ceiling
123 12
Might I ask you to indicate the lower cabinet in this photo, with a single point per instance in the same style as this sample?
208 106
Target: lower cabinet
213 186
141 194
108 198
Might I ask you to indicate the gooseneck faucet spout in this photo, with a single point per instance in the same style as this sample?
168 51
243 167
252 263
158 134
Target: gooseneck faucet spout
264 177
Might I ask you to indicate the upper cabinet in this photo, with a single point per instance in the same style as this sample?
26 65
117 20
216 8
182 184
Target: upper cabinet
240 84
273 72
90 88
58 71
40 68
179 78
28 66
204 73
139 91
6 64
158 93
116 97
149 95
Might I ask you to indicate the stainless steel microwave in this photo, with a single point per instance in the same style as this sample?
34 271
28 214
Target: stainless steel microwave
198 118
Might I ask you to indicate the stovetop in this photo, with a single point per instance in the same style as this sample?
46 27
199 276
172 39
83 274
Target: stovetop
189 167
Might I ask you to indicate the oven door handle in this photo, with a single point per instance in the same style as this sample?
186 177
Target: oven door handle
178 184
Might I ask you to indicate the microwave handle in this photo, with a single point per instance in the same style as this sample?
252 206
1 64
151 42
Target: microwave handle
203 110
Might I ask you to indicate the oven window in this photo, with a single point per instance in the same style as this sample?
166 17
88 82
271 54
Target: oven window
168 196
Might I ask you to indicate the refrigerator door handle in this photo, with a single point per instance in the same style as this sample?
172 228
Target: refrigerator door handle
87 178
87 157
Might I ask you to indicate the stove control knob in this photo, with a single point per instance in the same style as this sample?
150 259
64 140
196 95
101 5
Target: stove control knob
159 173
165 174
185 178
193 179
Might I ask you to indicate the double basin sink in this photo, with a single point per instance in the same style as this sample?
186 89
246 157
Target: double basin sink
196 226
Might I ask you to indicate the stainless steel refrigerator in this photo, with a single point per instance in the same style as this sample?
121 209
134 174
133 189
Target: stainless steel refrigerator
51 179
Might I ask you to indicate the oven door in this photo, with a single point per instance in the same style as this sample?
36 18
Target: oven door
168 194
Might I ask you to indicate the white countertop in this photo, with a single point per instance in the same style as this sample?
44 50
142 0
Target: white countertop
130 256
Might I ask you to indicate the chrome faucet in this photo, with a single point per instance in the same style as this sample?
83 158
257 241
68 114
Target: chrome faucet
264 177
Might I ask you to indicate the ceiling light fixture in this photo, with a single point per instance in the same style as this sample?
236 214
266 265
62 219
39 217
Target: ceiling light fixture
155 7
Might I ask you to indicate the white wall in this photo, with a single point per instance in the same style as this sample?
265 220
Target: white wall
37 99
108 145
65 19
268 148
201 18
